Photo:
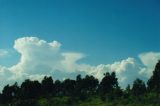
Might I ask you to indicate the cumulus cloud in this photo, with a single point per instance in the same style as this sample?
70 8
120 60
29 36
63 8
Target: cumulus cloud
149 61
39 58
126 70
5 75
70 61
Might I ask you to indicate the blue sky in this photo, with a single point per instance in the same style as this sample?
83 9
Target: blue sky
104 30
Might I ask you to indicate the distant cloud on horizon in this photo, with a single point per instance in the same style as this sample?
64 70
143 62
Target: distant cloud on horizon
39 58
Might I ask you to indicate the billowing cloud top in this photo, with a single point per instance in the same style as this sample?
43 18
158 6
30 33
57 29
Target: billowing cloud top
40 58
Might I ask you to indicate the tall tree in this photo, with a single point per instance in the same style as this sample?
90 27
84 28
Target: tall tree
48 85
154 81
58 87
79 89
108 84
69 87
30 89
7 94
90 84
139 87
10 92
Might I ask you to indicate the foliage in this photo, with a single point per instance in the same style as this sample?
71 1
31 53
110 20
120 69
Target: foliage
139 87
154 81
87 91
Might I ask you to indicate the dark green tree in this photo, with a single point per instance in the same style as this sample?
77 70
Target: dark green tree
58 88
90 84
85 86
30 89
48 86
127 91
79 89
68 86
154 81
7 94
139 87
108 84
10 92
1 98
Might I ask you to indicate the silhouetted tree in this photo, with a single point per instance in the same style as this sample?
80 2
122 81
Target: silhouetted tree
10 92
7 94
85 86
154 81
58 87
79 89
68 87
78 78
69 91
139 87
1 98
30 89
90 84
108 84
48 86
117 92
127 91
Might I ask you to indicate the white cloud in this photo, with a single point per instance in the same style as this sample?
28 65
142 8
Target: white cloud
40 58
5 75
37 56
70 61
149 61
126 70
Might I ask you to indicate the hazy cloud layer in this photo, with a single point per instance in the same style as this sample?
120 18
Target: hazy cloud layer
40 58
3 53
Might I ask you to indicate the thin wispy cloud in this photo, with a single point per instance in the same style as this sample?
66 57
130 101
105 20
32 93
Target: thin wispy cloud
3 53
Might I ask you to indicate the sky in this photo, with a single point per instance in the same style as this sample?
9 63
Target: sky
78 36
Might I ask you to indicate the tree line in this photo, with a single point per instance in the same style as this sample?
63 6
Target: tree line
107 89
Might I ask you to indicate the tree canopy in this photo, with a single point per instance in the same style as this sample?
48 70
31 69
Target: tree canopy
70 91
